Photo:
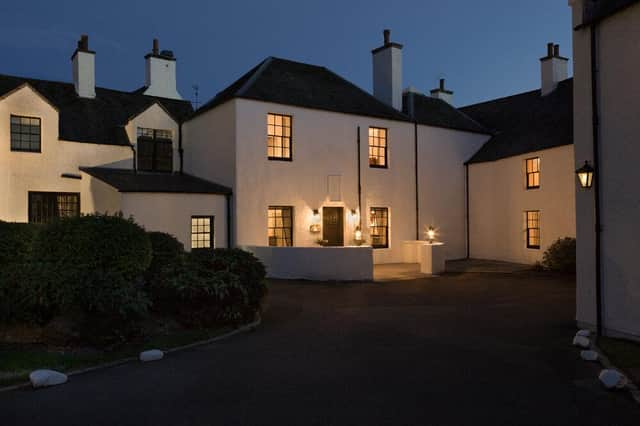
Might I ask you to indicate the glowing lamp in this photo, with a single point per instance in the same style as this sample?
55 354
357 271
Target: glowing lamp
585 175
431 234
358 235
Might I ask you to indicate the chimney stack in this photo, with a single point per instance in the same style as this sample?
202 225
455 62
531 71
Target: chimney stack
160 73
553 69
387 72
83 63
442 93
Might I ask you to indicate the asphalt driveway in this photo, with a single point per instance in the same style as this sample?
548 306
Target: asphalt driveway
461 349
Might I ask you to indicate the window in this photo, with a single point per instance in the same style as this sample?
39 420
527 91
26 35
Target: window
202 232
47 206
280 224
533 229
155 150
379 221
279 137
25 133
533 173
377 147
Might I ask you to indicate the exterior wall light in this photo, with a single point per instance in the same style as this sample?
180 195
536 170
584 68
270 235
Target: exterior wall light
353 212
316 212
314 228
358 236
431 234
585 175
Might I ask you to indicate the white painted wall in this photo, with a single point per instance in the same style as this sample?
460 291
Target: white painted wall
619 103
21 172
171 213
552 71
387 76
310 263
442 181
498 200
160 77
83 66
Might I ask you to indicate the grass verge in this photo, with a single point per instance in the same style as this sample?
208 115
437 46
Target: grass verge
17 361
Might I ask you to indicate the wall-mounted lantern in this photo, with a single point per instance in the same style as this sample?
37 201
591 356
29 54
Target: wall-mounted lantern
431 234
316 212
358 236
585 175
353 212
314 228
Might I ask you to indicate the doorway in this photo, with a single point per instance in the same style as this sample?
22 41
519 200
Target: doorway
333 226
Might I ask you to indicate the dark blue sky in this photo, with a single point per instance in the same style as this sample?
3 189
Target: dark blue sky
485 49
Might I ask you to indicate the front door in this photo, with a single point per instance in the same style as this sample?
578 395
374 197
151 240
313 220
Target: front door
333 225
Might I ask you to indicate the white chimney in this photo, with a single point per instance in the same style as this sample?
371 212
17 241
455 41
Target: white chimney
442 93
553 69
387 72
160 73
84 69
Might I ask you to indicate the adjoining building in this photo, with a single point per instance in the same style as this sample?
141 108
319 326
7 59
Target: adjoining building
606 37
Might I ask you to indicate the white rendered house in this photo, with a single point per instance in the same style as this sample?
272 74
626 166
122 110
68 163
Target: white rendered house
72 148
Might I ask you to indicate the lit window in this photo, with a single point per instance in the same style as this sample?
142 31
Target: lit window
533 229
280 226
202 232
279 137
47 206
533 173
377 147
379 223
155 150
25 133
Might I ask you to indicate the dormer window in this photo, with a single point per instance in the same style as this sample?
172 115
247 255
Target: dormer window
155 150
25 133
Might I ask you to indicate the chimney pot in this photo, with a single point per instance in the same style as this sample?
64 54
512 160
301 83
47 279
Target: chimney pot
442 84
553 69
556 50
155 46
387 36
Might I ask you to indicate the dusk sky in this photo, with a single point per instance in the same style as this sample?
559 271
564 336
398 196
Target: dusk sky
485 49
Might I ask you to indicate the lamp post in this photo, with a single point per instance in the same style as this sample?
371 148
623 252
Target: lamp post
585 175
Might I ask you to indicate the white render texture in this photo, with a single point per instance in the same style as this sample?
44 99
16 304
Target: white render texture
84 73
316 263
498 200
618 59
387 76
552 71
160 78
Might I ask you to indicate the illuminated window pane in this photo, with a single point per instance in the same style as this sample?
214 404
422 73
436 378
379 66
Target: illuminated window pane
280 226
533 229
202 236
379 224
533 172
278 137
377 147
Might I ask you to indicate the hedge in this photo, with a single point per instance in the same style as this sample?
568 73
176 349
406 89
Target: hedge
561 256
16 240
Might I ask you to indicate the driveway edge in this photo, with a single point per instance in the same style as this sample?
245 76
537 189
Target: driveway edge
631 387
242 329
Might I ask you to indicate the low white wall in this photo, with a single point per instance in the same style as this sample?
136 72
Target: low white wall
316 263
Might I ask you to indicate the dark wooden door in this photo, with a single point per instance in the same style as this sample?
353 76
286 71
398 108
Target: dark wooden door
333 225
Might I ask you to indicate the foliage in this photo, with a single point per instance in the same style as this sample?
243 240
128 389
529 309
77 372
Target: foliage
561 256
166 250
16 241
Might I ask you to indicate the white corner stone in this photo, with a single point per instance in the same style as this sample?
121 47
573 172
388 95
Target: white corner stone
584 333
589 355
44 378
152 355
581 341
613 379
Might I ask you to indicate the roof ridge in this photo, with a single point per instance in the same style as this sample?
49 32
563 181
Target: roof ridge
265 63
528 92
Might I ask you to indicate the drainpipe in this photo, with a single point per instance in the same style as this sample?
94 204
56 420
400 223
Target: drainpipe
228 199
359 182
180 150
466 190
595 127
415 154
135 167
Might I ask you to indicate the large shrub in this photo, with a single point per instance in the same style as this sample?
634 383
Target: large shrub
561 256
16 241
166 251
100 261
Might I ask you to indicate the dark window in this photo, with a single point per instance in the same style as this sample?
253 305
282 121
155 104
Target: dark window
47 206
533 173
379 222
533 229
155 150
25 133
377 147
202 235
280 226
279 136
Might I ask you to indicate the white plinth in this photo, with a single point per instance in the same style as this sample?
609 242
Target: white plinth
430 256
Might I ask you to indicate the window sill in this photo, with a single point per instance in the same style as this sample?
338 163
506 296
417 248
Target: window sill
378 167
279 159
26 150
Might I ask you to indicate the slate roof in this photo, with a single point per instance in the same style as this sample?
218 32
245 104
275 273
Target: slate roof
295 83
126 180
596 11
100 120
436 112
525 122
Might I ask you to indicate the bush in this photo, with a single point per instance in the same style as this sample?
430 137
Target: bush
561 256
16 241
166 251
98 262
